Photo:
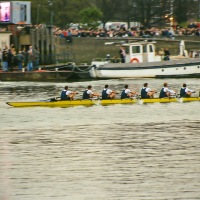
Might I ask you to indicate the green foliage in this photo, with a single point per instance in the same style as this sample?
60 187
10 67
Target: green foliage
90 16
89 11
183 24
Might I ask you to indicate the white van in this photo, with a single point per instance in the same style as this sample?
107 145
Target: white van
116 25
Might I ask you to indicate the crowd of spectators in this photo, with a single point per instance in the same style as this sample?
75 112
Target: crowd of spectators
10 59
191 30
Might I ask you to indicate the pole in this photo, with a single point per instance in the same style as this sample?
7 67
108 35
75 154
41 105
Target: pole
199 11
51 12
51 17
38 13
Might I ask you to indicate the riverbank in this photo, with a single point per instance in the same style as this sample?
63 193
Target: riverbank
35 76
83 50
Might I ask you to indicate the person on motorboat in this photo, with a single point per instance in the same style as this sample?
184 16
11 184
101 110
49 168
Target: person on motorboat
146 92
88 93
122 53
108 93
127 93
185 91
166 92
166 54
66 94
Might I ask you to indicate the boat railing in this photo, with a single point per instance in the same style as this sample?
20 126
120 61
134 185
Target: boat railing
111 60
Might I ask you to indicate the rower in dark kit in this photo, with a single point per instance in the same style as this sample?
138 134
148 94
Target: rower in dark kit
127 93
108 93
66 94
166 92
146 92
88 93
185 91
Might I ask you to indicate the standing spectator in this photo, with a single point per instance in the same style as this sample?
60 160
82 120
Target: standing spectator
69 36
122 53
25 54
30 48
166 54
10 60
37 58
14 58
1 52
20 59
5 60
30 60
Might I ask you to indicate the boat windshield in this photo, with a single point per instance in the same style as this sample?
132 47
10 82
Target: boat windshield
136 49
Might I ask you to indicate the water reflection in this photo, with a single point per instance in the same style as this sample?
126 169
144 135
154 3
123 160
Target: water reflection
101 152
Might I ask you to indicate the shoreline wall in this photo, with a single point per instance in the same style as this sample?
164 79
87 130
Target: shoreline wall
83 50
56 49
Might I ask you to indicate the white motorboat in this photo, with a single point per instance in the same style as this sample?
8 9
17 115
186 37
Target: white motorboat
141 61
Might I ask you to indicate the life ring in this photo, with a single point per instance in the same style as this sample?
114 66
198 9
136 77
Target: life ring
134 60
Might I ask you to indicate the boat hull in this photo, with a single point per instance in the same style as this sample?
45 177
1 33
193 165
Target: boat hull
176 68
117 101
43 76
100 102
158 100
53 103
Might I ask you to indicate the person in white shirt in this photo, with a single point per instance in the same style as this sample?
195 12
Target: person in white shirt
0 56
185 91
166 92
66 94
88 93
108 93
146 92
122 53
127 93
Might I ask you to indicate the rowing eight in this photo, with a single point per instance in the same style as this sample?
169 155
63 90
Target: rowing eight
90 102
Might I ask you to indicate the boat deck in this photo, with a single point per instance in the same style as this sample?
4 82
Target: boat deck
164 64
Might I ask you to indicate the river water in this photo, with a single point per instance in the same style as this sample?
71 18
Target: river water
117 152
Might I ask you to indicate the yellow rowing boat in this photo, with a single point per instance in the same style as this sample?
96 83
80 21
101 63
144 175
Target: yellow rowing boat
158 100
59 103
117 101
188 99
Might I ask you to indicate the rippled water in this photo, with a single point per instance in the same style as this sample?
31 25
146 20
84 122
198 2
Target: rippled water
117 152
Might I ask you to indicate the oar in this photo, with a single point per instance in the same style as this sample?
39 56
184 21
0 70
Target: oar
52 99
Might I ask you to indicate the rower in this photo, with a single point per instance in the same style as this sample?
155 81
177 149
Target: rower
67 94
127 93
108 93
146 92
185 91
166 92
88 93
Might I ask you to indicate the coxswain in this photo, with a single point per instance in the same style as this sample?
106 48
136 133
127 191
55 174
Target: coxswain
108 93
185 91
127 93
166 92
88 93
146 92
66 94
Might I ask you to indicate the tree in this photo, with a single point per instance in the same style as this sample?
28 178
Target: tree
67 11
109 8
91 16
186 10
148 12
